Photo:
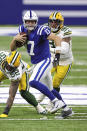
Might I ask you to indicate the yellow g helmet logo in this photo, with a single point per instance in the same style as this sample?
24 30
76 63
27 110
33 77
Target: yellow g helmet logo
58 18
14 59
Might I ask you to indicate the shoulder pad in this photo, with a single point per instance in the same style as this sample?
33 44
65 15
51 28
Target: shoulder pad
43 28
66 31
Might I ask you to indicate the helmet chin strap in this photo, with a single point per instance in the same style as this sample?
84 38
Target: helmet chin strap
55 29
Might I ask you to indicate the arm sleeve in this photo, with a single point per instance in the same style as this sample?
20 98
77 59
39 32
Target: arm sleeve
21 28
64 48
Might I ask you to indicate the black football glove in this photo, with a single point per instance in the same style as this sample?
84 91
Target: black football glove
56 60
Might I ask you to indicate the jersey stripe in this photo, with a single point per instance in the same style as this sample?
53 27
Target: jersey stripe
14 58
42 29
67 33
42 69
39 32
20 29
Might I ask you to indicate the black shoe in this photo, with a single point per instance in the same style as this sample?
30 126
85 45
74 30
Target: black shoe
65 114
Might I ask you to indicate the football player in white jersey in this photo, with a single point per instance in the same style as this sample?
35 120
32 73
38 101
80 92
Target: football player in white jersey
62 67
16 70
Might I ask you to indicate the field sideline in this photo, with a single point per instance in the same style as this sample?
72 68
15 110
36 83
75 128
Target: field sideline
72 95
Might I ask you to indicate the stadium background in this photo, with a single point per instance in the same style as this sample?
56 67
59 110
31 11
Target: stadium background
74 90
74 11
75 15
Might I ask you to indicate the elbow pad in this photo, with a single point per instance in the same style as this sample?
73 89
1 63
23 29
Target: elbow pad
64 47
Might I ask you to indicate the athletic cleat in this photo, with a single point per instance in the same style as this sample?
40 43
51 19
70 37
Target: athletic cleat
49 106
41 110
44 112
3 115
65 114
40 98
58 104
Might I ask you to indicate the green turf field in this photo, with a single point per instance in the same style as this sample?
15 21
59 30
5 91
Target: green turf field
26 118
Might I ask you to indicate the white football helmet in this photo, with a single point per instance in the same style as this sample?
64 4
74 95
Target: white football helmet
31 16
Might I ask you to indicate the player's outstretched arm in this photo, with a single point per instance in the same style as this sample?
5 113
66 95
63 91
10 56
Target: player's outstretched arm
57 40
12 93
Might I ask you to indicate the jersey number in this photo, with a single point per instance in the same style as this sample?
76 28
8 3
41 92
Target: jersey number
32 47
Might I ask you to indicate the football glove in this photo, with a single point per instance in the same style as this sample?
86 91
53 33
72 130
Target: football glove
56 60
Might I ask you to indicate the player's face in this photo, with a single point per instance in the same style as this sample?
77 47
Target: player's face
53 23
30 24
9 68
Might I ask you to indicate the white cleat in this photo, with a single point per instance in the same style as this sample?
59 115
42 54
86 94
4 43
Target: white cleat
58 104
40 98
49 106
41 110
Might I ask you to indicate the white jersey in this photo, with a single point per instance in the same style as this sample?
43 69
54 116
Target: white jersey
17 74
66 58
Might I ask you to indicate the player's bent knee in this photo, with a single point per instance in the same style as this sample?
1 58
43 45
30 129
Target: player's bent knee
23 93
33 83
57 89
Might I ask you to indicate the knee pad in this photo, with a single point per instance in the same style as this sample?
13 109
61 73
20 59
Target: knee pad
57 89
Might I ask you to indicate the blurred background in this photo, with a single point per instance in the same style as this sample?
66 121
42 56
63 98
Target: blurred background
73 88
74 11
75 16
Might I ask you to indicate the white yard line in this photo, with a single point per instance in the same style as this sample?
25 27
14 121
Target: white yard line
43 119
76 77
20 106
78 70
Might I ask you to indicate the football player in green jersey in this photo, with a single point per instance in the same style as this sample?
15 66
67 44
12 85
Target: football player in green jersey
16 70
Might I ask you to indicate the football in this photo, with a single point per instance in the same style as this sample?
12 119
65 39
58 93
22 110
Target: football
22 33
20 44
